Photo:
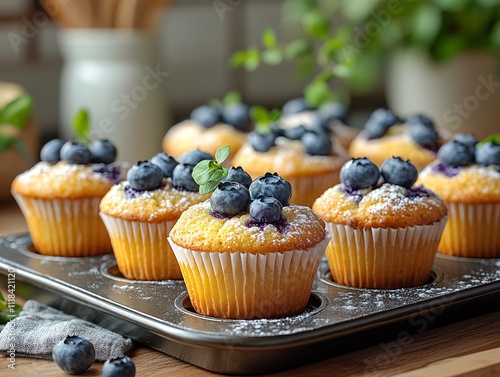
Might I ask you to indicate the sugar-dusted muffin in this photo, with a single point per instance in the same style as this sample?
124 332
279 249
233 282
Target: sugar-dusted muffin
331 116
467 177
309 159
384 235
248 253
60 198
385 135
140 212
209 128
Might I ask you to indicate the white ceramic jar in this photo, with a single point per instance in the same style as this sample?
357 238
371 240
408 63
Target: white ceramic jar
118 77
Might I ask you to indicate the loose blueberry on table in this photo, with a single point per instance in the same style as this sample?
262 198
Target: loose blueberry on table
118 367
74 355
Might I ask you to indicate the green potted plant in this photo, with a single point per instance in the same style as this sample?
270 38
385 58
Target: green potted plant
18 134
436 56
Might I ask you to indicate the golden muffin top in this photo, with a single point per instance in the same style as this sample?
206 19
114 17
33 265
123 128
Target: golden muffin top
288 158
471 184
67 181
387 206
189 135
162 204
201 229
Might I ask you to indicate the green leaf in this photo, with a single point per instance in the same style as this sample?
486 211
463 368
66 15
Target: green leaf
201 172
269 38
316 25
238 59
425 24
5 143
222 153
274 115
81 125
495 138
297 49
17 111
316 93
252 60
231 97
208 187
258 114
272 57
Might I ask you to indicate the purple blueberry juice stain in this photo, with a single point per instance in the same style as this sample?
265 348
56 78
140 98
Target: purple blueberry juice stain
131 193
417 192
282 226
110 171
357 195
449 171
219 216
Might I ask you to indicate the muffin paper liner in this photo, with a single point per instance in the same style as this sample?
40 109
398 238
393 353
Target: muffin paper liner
64 227
141 249
242 285
307 189
383 258
473 230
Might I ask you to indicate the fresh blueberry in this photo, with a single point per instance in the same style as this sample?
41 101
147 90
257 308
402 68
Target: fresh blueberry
206 115
277 130
238 115
265 210
119 367
294 133
271 185
103 151
420 119
51 152
331 111
182 178
399 172
261 142
295 106
488 154
193 157
317 144
379 122
456 154
359 173
230 198
237 174
423 135
165 162
319 124
74 355
145 175
466 139
75 153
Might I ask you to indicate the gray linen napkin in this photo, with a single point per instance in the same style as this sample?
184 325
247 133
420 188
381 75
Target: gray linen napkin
38 328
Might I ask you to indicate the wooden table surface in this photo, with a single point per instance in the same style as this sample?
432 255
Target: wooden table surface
466 348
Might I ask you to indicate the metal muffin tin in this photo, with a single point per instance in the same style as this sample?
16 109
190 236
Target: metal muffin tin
159 314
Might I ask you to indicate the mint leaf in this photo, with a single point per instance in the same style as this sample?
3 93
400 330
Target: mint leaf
222 154
208 173
81 125
495 138
17 111
231 97
269 38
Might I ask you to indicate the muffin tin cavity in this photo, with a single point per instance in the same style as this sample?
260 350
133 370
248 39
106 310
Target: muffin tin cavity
110 271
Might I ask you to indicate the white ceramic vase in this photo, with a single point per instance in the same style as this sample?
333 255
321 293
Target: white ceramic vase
461 94
119 78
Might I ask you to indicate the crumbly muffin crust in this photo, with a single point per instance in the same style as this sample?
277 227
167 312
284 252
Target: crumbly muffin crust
162 204
388 206
200 230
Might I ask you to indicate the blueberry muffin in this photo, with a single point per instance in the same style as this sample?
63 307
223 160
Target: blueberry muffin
60 196
467 177
385 232
247 252
140 212
386 135
310 159
209 127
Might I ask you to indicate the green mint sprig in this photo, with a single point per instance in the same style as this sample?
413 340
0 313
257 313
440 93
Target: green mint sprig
15 114
208 173
230 98
495 138
81 125
263 118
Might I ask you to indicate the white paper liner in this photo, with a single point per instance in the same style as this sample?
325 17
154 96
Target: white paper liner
473 230
141 249
244 285
305 190
383 258
64 227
